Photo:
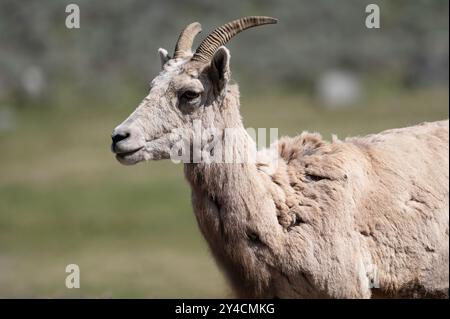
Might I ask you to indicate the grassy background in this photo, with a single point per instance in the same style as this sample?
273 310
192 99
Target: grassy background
64 199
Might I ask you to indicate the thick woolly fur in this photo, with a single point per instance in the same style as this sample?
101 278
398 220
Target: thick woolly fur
359 218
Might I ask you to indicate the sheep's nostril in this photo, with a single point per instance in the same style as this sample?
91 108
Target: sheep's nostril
116 138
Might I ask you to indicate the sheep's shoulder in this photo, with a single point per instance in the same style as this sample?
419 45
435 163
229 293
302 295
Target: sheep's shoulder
304 174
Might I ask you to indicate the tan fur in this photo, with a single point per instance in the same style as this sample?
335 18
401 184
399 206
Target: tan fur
331 216
311 218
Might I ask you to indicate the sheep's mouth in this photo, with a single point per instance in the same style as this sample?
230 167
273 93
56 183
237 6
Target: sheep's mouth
130 157
145 152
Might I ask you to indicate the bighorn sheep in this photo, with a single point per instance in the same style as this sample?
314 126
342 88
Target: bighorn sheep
359 218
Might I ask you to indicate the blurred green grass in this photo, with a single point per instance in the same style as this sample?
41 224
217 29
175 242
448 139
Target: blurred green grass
64 199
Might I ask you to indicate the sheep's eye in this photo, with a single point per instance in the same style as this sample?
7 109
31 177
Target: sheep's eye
190 95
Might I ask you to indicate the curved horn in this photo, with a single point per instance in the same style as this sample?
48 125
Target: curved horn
186 39
223 34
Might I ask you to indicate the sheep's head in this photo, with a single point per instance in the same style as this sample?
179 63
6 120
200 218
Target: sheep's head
187 88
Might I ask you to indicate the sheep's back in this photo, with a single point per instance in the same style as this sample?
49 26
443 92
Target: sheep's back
376 204
404 207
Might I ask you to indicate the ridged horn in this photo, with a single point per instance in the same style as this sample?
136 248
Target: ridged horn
223 34
186 38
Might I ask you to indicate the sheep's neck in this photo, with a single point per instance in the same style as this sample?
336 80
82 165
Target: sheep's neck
230 185
225 177
224 197
218 178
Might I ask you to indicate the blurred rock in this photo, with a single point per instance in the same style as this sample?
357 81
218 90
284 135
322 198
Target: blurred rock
33 81
338 89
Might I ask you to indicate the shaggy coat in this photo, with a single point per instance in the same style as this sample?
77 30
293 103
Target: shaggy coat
360 218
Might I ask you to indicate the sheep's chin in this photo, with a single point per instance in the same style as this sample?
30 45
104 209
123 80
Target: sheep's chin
131 159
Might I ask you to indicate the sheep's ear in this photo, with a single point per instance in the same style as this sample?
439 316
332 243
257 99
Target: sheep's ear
164 56
220 68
